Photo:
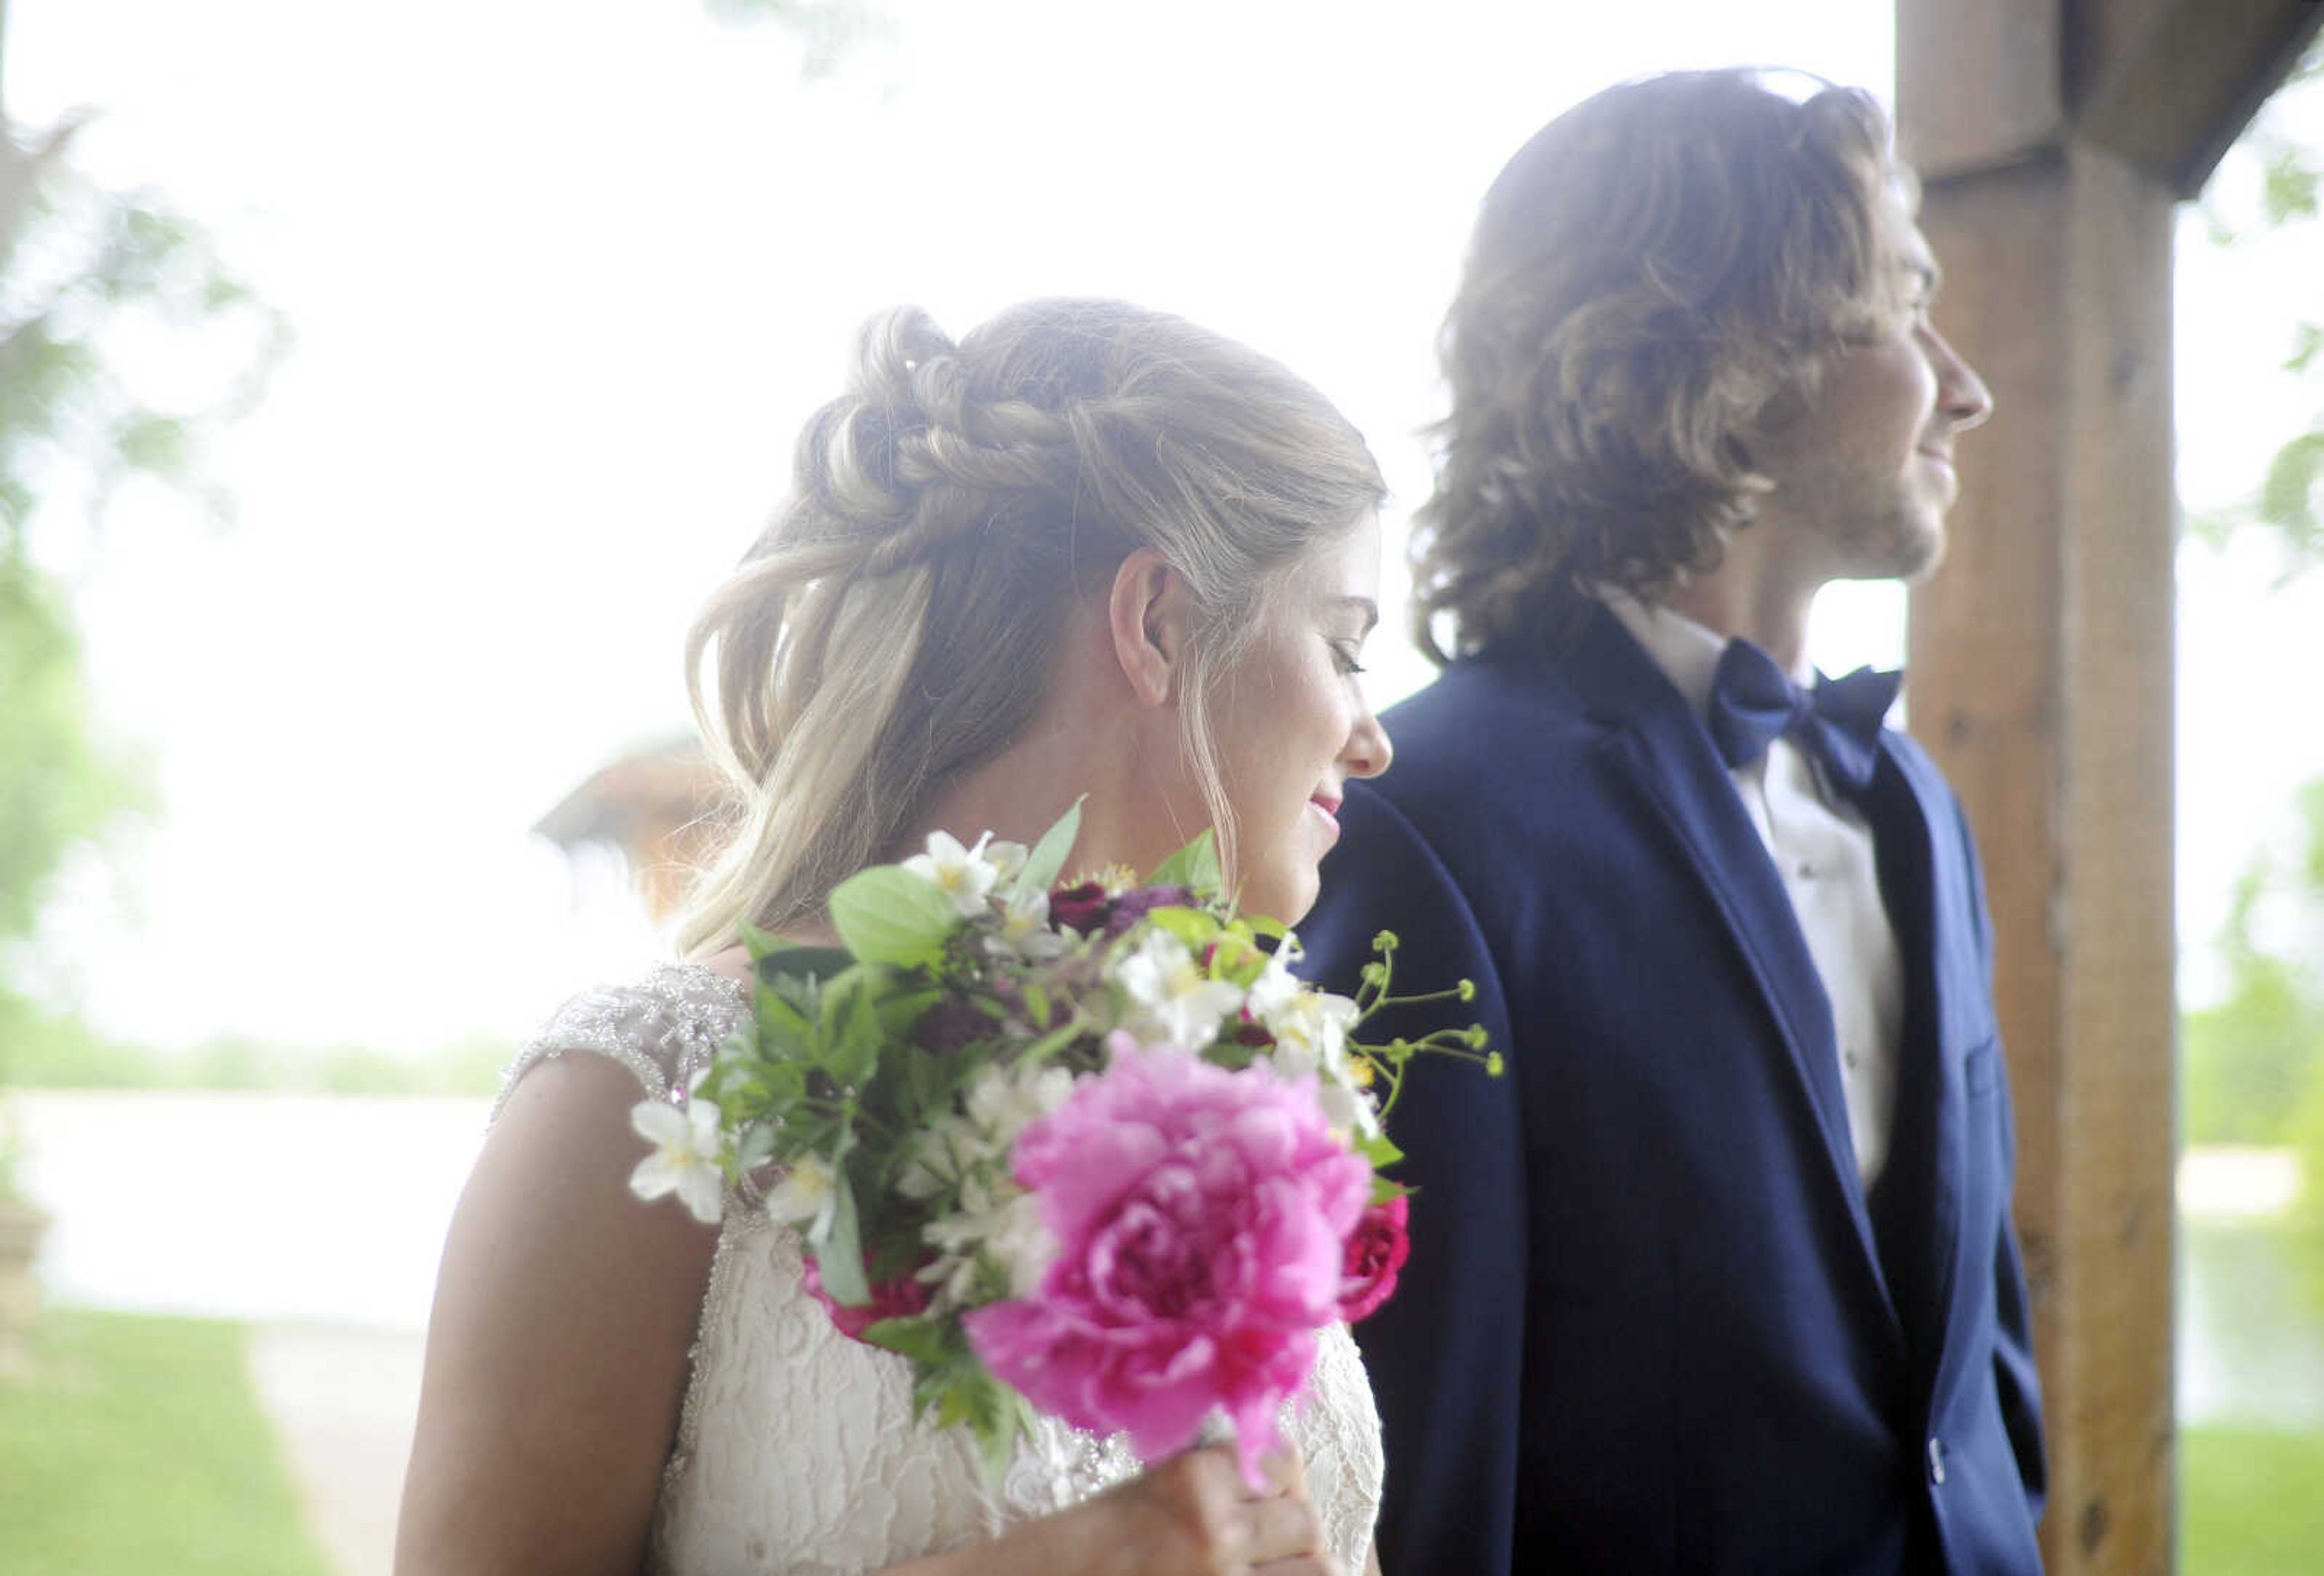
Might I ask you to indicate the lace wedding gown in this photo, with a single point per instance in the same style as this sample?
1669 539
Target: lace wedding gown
797 1450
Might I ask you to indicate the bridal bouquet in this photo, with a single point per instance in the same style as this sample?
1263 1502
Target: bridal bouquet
1090 1148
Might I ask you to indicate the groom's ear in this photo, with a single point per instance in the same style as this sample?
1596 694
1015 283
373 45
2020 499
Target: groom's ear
1148 615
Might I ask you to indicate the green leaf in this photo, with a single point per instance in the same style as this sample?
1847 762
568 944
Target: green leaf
840 1261
783 1030
1196 865
2288 189
1379 1152
1196 929
156 445
1384 1190
853 1033
887 915
2307 340
1048 856
921 1339
1051 1043
2284 497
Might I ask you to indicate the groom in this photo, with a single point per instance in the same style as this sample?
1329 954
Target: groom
1723 1276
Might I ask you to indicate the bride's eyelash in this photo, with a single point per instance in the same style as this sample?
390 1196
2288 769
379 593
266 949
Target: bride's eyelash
1344 658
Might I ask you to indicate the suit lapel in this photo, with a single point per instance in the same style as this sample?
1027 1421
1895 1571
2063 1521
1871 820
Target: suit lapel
1931 902
1914 1216
1656 744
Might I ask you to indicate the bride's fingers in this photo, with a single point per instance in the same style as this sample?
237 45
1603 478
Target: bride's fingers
1283 1527
1301 1565
1282 1467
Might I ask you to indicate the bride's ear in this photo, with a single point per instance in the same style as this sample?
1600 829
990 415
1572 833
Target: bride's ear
1148 613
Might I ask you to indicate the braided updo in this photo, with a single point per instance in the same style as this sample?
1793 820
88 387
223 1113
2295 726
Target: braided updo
897 624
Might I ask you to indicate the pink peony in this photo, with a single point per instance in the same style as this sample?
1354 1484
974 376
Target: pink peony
899 1298
1376 1253
1203 1216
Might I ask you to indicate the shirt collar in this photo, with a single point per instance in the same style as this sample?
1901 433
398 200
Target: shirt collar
1686 652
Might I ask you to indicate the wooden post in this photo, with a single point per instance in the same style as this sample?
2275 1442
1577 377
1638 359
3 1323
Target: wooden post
2042 680
2052 137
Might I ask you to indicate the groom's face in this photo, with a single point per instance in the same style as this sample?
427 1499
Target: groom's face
1864 473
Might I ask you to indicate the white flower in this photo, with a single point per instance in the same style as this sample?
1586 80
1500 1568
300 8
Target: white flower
941 1153
807 1198
1277 986
684 1160
1024 930
1311 1036
1313 1025
1178 1004
1007 1228
967 875
1003 1104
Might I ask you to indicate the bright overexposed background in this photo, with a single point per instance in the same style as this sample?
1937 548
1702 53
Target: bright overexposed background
567 277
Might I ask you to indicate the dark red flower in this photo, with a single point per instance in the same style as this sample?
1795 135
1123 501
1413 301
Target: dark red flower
899 1298
1082 908
1376 1249
1135 904
951 1026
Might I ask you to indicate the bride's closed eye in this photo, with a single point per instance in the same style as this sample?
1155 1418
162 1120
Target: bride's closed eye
1344 658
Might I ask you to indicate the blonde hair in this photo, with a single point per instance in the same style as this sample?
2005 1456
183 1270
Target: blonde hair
1660 268
896 624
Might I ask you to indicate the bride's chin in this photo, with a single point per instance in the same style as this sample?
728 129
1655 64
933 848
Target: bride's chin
1287 902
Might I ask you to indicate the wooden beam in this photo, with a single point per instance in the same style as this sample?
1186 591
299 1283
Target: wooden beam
1977 83
2170 84
2041 681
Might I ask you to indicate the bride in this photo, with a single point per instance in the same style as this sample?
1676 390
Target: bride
1090 549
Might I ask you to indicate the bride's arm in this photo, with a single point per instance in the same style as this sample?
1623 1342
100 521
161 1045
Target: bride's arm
556 1350
555 1369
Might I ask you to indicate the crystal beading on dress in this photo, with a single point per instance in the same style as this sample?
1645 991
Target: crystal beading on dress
797 1449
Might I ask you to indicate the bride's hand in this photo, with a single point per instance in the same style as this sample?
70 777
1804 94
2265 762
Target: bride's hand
1193 1515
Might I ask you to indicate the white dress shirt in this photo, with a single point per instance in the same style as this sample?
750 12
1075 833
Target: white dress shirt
1822 851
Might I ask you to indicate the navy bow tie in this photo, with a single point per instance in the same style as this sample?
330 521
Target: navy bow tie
1753 700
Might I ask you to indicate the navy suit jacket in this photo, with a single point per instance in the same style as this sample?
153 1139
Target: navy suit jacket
1651 1321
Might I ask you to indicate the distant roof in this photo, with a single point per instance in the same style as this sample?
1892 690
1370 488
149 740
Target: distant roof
660 786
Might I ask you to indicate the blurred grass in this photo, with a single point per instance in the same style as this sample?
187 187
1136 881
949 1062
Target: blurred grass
137 1444
2251 1502
58 1051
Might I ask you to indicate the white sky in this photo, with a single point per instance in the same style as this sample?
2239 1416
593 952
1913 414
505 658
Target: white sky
568 275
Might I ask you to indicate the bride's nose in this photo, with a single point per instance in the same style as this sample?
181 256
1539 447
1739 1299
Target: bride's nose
1368 751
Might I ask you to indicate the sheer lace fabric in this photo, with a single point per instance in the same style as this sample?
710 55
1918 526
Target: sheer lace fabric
797 1450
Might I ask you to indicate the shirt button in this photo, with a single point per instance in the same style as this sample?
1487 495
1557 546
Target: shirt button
1937 1462
1850 1058
1805 869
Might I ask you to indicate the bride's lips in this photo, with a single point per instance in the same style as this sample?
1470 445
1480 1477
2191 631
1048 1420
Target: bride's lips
1328 807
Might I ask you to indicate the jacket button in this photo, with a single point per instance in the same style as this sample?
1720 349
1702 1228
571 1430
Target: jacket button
1936 1461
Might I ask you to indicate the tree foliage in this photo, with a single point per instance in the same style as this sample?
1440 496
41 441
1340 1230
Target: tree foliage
87 272
828 32
2288 504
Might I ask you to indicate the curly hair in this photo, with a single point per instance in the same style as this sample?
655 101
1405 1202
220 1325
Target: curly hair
1660 270
896 624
